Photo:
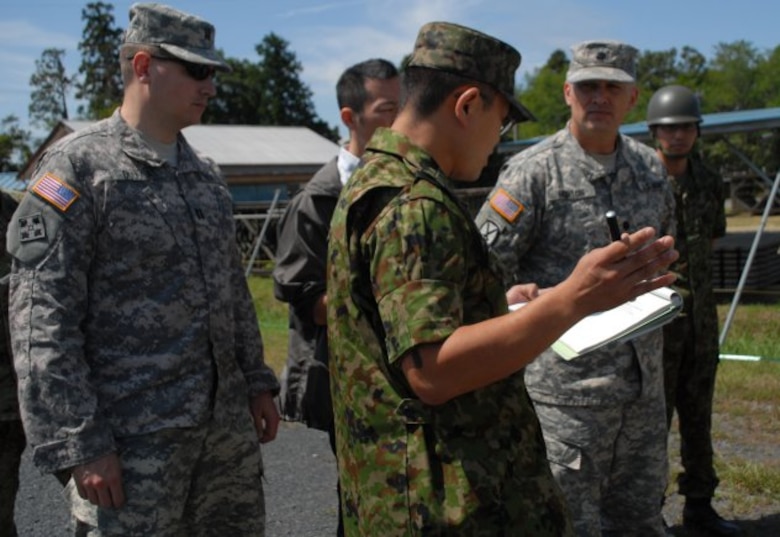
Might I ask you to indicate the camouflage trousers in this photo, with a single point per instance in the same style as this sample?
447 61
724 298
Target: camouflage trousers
690 365
11 447
611 463
204 481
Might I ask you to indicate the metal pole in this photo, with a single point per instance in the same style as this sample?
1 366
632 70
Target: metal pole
743 278
261 236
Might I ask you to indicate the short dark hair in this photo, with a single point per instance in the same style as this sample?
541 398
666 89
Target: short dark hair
351 86
424 89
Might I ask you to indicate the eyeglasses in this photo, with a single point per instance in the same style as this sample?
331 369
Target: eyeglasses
506 125
198 71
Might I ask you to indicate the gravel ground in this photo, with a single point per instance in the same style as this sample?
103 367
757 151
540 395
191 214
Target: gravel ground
733 442
301 495
300 490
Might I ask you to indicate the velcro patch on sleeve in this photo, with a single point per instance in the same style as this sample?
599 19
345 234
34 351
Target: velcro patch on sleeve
56 191
505 205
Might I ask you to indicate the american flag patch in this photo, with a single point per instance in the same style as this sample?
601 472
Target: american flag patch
506 205
55 191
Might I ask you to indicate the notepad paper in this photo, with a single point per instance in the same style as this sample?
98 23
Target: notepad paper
625 322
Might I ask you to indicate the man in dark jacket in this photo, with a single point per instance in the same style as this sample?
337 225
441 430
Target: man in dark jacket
11 433
367 94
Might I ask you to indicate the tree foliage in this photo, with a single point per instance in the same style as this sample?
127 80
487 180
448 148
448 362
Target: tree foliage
50 85
543 95
14 144
268 92
100 81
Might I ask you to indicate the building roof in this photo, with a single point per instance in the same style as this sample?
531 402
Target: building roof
720 123
253 145
9 181
235 145
711 125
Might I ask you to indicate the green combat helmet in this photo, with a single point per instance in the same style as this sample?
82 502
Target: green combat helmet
671 105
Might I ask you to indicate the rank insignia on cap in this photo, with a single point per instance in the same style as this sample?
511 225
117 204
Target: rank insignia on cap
56 191
31 228
506 205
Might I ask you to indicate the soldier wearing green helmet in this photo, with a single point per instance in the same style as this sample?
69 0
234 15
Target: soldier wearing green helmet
691 341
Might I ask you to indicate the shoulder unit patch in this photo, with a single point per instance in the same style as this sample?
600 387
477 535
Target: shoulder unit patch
31 228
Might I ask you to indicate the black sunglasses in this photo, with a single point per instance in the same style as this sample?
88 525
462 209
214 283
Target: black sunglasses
198 71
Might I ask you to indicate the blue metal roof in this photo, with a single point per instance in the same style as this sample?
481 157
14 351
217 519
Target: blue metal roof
711 125
9 181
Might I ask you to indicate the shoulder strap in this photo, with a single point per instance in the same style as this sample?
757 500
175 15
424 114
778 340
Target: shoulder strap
362 216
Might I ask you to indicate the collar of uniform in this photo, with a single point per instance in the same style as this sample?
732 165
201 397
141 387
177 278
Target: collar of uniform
415 158
136 148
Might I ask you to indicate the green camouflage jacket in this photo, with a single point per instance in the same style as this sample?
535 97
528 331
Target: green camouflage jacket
407 267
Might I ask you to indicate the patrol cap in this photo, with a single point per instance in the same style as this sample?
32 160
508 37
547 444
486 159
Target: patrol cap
462 51
180 34
602 60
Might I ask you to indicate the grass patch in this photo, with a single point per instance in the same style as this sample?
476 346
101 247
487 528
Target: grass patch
753 330
272 315
750 477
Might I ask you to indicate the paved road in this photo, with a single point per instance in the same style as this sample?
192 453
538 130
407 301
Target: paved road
300 490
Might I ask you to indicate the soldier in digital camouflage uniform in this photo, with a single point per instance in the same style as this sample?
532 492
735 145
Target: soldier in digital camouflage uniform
691 347
435 432
11 433
136 344
602 414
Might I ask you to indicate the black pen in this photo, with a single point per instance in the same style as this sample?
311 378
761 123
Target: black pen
614 229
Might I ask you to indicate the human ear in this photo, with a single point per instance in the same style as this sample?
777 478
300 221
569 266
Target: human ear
463 103
141 63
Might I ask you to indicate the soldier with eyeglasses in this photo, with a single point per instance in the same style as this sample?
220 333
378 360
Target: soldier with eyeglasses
136 345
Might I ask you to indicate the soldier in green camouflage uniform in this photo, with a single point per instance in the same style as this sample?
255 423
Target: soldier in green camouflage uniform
11 433
136 344
691 346
602 414
436 434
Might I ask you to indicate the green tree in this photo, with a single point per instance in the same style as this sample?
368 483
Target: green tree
269 92
542 94
238 96
731 82
766 89
656 69
100 81
50 85
14 144
692 68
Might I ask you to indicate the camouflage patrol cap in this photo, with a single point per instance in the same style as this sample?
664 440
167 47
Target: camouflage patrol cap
462 51
602 60
180 34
